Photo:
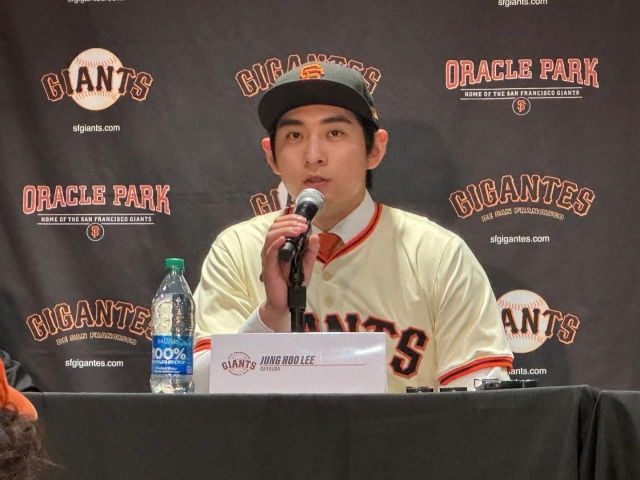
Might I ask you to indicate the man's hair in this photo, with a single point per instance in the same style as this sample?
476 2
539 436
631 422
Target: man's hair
22 454
368 129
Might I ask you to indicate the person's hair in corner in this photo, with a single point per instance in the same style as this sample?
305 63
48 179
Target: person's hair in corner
368 129
22 454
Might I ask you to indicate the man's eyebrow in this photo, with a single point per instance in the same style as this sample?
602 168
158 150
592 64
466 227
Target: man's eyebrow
287 122
333 119
336 119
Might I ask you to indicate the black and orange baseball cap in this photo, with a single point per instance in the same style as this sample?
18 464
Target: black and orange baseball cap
12 399
317 83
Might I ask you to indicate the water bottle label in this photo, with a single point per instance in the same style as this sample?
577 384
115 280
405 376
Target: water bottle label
172 355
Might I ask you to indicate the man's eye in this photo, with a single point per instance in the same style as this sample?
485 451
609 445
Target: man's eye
335 133
293 135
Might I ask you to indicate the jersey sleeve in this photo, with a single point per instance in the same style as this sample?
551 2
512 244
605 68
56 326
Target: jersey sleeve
468 331
224 300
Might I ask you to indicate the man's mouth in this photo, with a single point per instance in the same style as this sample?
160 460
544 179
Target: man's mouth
316 181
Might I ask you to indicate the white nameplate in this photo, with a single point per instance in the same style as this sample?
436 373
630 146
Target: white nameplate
298 363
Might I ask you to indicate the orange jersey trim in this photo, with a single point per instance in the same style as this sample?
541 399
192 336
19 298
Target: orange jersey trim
201 345
474 366
361 237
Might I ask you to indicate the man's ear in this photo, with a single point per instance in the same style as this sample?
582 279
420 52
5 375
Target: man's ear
268 153
380 140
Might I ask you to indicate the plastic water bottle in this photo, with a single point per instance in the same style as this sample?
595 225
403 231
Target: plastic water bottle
173 319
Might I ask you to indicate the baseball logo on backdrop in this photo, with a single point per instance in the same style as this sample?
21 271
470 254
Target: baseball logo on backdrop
509 79
521 106
95 232
103 319
529 322
530 194
81 205
95 67
95 80
262 75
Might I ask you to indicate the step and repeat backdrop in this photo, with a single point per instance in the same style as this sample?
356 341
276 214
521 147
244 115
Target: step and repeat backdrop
129 133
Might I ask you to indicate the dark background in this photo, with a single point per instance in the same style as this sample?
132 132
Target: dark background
199 134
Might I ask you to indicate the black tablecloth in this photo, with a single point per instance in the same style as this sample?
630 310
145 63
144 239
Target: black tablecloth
516 434
613 450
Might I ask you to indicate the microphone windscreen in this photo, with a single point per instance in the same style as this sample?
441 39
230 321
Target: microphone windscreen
311 195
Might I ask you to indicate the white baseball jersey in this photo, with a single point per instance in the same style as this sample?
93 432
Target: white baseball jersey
402 275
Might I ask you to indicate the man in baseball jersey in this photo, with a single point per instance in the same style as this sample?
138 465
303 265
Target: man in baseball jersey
368 267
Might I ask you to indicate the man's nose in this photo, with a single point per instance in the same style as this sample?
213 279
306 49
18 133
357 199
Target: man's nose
315 152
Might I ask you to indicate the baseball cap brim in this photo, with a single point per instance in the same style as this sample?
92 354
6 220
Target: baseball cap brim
282 98
14 400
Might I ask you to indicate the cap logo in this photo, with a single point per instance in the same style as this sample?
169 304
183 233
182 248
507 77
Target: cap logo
314 70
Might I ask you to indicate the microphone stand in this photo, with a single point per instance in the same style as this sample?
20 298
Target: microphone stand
297 293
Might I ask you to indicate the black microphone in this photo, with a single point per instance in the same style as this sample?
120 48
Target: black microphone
309 203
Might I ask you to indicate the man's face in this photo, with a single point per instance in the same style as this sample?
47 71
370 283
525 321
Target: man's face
323 147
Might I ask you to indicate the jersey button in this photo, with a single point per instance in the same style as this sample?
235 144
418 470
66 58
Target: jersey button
326 276
328 301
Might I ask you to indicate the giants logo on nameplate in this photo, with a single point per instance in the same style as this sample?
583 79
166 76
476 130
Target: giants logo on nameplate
82 205
523 80
95 80
238 363
526 194
529 322
262 75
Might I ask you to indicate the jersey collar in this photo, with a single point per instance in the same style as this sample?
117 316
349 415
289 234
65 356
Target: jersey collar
354 223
